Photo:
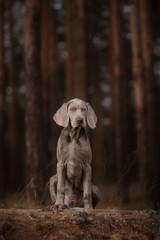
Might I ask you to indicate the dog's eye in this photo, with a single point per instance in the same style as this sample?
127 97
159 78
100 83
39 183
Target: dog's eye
83 109
73 109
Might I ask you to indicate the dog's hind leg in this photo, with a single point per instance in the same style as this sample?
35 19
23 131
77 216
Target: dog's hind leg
95 195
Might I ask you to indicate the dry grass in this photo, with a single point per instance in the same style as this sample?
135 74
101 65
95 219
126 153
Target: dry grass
19 200
110 199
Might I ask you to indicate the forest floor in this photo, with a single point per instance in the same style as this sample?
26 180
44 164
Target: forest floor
76 223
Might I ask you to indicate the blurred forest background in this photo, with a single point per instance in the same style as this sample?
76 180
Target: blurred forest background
104 52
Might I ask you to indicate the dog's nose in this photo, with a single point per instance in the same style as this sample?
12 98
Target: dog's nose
79 121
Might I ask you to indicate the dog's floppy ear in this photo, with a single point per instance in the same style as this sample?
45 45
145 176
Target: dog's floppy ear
91 117
61 116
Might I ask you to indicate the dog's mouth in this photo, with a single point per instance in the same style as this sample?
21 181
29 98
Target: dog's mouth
79 126
79 123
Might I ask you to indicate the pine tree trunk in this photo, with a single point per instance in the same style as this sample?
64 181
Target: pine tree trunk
14 161
50 81
94 96
55 86
2 96
139 93
115 83
146 103
76 69
152 119
35 152
44 55
98 162
45 34
120 100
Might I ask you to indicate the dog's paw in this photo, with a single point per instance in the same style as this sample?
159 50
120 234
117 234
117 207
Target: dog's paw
52 207
58 207
88 206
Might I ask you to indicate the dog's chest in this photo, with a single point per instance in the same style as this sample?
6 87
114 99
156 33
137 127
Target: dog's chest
77 156
74 153
77 152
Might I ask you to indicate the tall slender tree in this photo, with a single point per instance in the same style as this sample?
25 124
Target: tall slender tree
45 34
14 159
55 83
2 99
120 96
139 94
94 94
50 81
99 168
44 56
76 67
35 151
151 101
145 102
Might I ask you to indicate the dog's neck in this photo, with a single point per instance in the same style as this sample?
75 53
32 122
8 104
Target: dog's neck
74 133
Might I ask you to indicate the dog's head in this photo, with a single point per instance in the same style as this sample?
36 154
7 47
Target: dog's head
78 112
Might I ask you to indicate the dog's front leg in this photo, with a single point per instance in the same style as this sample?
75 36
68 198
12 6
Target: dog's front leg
60 186
87 195
53 188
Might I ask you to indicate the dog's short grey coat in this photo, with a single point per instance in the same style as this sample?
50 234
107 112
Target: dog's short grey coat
72 186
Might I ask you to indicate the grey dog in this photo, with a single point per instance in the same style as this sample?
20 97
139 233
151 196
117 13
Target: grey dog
71 186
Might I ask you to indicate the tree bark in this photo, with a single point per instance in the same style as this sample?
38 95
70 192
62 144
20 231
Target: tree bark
120 95
55 85
35 152
2 100
145 102
50 80
44 57
152 119
14 159
94 96
76 68
45 34
139 94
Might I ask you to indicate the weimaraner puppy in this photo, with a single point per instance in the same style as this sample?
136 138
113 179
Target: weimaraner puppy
71 186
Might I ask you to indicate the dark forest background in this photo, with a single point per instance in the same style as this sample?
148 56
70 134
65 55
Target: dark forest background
104 52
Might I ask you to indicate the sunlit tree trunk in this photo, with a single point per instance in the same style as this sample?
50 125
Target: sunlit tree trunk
2 96
35 155
76 68
120 96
